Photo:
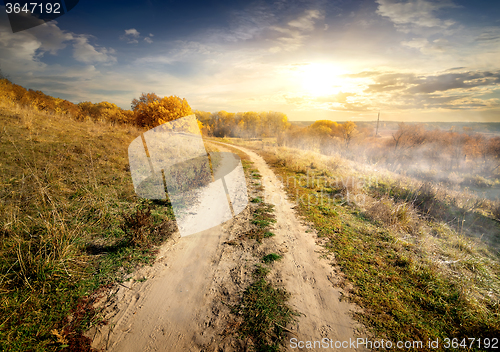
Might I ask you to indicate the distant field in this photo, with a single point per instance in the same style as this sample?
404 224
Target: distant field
488 128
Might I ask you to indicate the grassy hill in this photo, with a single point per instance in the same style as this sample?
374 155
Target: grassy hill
70 223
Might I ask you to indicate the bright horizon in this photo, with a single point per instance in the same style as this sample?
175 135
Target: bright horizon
417 60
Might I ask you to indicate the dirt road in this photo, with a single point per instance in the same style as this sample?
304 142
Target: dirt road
180 306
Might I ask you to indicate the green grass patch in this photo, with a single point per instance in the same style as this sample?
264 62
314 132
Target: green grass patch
262 219
254 173
271 257
261 223
264 313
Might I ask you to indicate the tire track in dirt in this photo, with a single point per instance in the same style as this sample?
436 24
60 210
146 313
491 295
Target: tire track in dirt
184 303
305 276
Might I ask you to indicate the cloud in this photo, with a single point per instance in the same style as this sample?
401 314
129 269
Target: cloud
390 82
306 22
451 81
452 90
22 52
244 25
421 84
27 45
414 12
132 32
335 102
363 74
491 34
131 36
340 97
294 34
84 52
417 43
181 51
437 46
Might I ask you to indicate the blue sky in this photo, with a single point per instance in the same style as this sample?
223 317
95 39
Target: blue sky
417 60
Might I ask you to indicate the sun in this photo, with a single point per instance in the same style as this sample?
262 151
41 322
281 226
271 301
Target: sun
321 79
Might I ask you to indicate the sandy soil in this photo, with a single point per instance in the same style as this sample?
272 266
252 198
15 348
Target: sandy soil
183 303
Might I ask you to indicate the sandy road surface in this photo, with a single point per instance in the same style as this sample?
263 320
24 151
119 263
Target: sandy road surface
180 305
307 277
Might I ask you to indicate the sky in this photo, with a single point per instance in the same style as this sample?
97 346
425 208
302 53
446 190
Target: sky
412 60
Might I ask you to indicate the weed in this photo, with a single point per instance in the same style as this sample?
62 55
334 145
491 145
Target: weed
399 215
271 257
139 224
262 218
260 271
261 223
268 234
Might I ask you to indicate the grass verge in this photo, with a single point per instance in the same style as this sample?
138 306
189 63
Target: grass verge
417 276
70 224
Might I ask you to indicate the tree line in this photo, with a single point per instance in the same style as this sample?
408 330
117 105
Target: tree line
150 110
410 146
250 124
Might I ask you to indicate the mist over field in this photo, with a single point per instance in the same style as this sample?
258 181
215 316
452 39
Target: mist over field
454 155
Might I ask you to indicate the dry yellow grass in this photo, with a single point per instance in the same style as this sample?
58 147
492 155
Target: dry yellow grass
66 200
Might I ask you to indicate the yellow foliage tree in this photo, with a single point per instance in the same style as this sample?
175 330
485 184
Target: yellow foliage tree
152 111
349 131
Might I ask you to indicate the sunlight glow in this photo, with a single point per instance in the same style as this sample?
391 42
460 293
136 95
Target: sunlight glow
321 79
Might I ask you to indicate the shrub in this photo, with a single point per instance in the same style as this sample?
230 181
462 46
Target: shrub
138 225
496 211
476 181
400 215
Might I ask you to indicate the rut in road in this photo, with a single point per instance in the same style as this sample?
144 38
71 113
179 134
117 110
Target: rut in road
309 279
183 304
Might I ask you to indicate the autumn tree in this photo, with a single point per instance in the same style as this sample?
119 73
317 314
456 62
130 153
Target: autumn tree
275 123
349 131
205 119
151 110
250 123
224 123
408 136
